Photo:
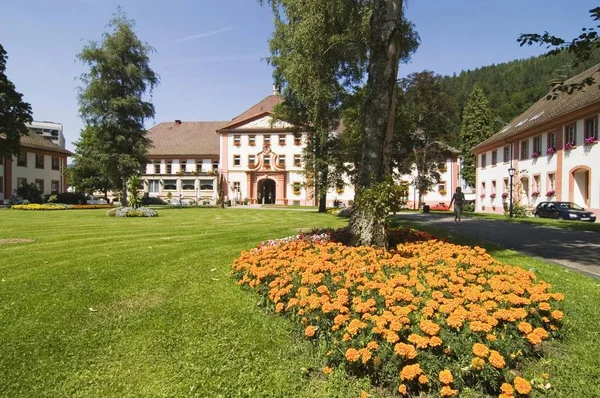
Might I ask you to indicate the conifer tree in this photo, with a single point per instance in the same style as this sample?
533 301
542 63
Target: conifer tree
476 127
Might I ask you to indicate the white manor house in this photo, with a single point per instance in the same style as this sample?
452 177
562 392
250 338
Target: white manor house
553 146
249 157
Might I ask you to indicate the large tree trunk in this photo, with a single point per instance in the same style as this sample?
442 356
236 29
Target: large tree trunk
124 193
324 183
379 109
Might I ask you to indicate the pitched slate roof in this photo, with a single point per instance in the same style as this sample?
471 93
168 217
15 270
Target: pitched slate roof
187 138
33 140
265 105
545 110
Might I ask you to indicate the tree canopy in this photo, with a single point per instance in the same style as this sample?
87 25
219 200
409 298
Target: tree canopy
14 112
114 99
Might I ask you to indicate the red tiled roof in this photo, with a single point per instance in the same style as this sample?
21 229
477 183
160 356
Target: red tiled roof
187 138
546 110
33 140
265 105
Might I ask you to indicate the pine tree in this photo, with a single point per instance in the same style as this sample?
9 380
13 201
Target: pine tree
113 100
476 127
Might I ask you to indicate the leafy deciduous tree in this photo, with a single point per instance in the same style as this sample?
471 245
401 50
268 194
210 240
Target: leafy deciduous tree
14 112
113 99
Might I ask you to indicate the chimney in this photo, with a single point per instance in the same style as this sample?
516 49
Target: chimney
276 90
177 122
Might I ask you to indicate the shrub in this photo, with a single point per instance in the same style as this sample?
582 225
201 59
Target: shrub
425 318
37 206
131 212
346 212
469 207
52 199
71 198
147 200
333 210
30 192
519 210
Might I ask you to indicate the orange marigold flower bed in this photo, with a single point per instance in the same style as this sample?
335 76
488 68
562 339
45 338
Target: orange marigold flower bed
444 316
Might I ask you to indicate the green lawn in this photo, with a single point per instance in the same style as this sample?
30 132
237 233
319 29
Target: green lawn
111 307
105 307
574 362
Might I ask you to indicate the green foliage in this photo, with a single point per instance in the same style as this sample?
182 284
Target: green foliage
382 199
71 198
476 127
514 86
469 207
52 199
14 113
30 192
133 188
112 100
582 47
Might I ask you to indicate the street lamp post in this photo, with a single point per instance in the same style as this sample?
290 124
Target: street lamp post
511 174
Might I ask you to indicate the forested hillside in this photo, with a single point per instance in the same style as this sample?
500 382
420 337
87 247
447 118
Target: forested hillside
513 86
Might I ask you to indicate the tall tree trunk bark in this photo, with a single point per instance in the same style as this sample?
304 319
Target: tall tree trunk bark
323 195
379 109
124 193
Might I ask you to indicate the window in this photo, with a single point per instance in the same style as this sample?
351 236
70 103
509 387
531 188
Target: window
252 140
236 186
169 168
267 161
297 160
55 163
267 140
442 188
524 149
198 165
22 159
537 146
281 139
297 186
536 183
483 160
237 140
297 139
571 135
251 160
153 186
506 154
156 167
281 161
39 184
206 185
591 128
494 187
170 185
54 187
551 181
552 140
39 161
21 182
506 188
215 165
494 157
188 185
183 165
483 190
236 160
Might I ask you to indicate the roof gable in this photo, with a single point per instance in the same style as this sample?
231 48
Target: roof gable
264 106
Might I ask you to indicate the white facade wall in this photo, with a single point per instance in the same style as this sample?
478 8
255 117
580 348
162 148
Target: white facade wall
33 174
441 193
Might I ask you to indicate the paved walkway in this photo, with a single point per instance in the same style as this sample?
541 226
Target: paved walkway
578 250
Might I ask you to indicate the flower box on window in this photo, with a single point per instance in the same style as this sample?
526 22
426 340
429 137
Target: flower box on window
482 196
443 192
550 151
505 195
492 195
590 141
569 146
535 155
535 194
550 193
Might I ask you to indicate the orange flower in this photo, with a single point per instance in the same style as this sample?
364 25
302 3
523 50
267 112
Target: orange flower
435 341
364 394
446 377
506 389
352 355
525 327
279 307
372 345
491 337
446 391
481 350
429 327
310 331
405 350
544 306
410 372
522 386
327 370
365 355
496 359
402 389
423 379
477 363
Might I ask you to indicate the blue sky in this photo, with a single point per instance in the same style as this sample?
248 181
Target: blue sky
210 52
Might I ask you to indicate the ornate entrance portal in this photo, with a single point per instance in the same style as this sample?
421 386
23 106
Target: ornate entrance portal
266 191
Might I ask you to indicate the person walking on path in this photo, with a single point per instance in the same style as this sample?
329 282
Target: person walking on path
459 203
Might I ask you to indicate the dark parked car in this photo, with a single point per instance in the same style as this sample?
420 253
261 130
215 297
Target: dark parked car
563 211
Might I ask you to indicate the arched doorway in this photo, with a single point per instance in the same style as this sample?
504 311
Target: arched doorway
266 191
524 190
579 186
